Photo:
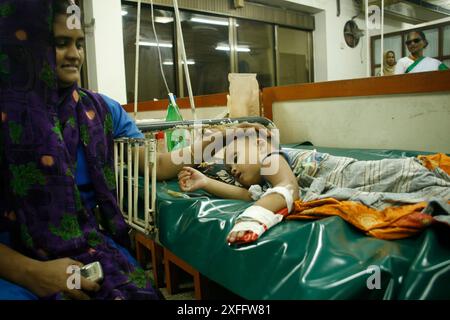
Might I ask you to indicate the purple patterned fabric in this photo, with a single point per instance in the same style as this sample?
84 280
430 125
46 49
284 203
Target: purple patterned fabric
41 127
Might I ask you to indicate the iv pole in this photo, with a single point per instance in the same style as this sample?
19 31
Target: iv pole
184 58
183 55
382 37
136 72
367 39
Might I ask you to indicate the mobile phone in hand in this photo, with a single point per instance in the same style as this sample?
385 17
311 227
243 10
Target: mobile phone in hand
92 272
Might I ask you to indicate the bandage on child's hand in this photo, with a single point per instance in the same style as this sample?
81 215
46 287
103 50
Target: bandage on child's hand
242 237
253 223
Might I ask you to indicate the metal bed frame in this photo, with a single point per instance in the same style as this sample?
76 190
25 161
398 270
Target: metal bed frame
126 154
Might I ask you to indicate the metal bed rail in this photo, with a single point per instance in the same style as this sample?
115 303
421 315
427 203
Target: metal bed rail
165 125
126 157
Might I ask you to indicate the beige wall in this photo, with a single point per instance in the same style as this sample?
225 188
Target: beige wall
410 122
104 46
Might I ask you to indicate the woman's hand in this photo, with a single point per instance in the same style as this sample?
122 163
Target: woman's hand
190 179
50 277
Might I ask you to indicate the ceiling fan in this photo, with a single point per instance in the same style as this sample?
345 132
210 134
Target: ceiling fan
352 33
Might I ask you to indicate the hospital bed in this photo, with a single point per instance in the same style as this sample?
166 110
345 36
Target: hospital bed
323 259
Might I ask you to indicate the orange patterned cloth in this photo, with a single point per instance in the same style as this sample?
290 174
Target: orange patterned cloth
390 223
434 161
395 222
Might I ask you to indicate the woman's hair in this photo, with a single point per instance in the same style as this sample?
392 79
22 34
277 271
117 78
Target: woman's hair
421 34
388 69
60 6
390 51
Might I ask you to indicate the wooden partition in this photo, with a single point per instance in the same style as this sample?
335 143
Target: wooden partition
400 84
407 112
426 82
213 100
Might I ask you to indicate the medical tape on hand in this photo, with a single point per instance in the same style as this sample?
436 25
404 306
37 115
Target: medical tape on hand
250 225
285 192
260 215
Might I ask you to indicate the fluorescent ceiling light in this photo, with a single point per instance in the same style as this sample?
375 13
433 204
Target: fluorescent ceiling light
163 19
243 49
238 49
124 12
210 21
223 48
154 44
170 63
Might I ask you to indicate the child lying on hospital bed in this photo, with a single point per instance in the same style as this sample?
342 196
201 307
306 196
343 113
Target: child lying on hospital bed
276 179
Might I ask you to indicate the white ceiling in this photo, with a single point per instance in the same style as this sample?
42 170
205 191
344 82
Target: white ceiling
441 3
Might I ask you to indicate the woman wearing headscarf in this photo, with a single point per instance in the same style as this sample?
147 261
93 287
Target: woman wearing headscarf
56 161
389 63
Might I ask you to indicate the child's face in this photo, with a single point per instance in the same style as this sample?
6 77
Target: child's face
69 52
243 157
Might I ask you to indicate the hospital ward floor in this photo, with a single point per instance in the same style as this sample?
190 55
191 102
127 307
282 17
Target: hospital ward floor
184 286
213 291
186 289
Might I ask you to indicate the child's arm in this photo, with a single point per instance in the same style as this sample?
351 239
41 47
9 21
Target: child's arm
167 169
248 229
190 179
282 177
169 164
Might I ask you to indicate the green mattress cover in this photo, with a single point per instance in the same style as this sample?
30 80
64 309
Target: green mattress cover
322 259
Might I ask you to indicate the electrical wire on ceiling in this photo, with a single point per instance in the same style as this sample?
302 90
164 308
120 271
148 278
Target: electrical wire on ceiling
183 55
136 70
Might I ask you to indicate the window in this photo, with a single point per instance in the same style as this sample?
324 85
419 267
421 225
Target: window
207 51
437 48
151 83
294 56
432 36
390 44
215 46
255 50
446 49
